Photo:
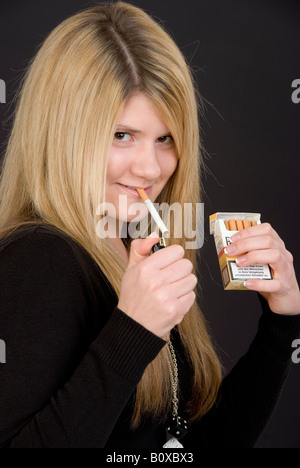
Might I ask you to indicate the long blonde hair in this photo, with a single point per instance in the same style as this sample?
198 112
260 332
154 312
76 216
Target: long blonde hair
54 170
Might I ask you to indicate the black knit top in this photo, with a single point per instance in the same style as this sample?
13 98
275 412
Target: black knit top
73 359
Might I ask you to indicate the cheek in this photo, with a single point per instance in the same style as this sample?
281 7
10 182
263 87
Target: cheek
169 166
116 166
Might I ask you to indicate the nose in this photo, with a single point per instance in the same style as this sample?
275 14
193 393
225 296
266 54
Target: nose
145 163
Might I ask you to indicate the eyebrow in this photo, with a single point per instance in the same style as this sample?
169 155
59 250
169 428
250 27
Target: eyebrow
125 128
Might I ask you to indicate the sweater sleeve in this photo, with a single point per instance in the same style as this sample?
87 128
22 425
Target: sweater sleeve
58 390
250 392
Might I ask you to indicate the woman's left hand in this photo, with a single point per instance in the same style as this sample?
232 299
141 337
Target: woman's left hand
261 244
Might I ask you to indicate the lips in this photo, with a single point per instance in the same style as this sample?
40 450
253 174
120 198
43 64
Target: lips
129 189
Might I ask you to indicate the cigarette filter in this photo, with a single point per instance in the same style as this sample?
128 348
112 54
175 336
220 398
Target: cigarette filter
223 226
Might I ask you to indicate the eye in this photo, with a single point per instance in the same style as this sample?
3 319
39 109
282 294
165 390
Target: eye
122 136
166 139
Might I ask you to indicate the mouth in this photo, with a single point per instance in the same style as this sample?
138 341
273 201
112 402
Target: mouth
132 190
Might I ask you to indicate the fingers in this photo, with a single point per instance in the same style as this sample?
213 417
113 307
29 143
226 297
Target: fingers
261 237
140 249
270 286
252 243
261 245
264 229
272 257
165 257
186 303
177 270
254 246
183 286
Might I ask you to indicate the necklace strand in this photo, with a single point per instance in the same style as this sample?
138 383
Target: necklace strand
174 379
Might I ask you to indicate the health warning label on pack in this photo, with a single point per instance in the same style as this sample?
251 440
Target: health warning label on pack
257 271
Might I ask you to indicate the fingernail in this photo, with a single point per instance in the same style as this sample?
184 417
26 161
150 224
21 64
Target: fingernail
229 249
249 284
153 234
240 260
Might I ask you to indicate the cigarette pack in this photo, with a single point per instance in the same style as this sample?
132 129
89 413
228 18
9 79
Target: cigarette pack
222 227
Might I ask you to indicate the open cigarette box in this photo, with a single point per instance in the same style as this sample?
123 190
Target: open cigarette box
223 226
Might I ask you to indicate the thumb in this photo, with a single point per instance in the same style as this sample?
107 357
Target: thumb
141 249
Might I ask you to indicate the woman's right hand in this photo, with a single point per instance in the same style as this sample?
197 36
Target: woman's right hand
157 290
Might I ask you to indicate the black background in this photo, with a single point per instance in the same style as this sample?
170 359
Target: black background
245 56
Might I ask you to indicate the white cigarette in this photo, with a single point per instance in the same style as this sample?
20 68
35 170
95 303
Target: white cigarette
152 210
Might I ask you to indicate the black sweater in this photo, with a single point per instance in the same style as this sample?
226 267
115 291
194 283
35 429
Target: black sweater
73 359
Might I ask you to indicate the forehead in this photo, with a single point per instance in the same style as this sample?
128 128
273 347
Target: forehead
140 114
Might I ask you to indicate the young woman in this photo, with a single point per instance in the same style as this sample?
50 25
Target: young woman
105 342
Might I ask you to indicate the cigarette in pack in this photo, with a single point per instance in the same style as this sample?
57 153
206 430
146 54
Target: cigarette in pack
239 224
222 227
